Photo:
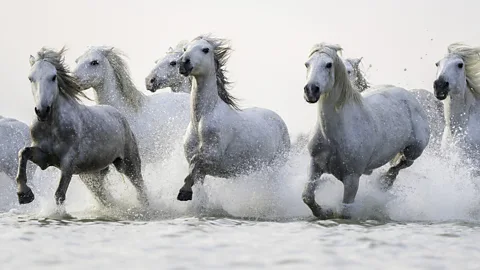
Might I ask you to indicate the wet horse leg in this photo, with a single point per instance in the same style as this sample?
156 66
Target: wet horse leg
389 178
208 154
410 153
133 170
350 188
37 156
196 175
95 182
308 194
66 167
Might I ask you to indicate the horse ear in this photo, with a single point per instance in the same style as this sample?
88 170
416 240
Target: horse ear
32 60
356 61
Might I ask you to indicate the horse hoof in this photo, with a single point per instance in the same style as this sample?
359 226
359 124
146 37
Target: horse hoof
184 195
26 197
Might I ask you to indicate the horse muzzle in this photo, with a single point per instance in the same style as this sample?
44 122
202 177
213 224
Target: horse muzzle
185 67
441 88
43 114
311 93
152 84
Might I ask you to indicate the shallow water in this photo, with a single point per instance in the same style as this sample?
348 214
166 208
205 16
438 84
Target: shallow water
209 243
429 220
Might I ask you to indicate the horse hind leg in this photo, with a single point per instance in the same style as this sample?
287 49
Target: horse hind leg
133 171
406 159
96 184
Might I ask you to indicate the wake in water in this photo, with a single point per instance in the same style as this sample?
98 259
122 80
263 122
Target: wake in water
433 189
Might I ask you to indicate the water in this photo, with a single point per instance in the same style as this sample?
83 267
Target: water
429 220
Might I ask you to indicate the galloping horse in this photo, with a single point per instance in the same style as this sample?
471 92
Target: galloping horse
223 140
75 138
355 134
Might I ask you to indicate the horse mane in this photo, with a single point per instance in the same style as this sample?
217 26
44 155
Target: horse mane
67 84
221 53
471 58
179 48
342 82
361 82
128 90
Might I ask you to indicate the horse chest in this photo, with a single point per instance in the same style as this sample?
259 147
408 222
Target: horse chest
54 140
330 157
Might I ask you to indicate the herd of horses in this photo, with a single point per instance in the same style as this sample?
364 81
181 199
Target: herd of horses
359 127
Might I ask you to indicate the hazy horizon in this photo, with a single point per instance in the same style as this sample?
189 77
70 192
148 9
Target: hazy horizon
400 39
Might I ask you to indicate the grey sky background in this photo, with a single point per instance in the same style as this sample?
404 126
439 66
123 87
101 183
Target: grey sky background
271 40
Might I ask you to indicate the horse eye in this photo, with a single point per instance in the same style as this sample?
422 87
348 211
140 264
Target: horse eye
54 77
94 63
173 63
328 65
205 50
436 64
307 65
460 65
349 72
30 79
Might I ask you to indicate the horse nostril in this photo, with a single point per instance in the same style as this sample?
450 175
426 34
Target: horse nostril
152 80
48 109
315 89
446 84
36 110
187 60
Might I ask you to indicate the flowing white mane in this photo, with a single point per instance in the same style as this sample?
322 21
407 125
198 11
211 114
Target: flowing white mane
127 88
342 82
471 58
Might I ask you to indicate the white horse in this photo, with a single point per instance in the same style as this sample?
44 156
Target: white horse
354 134
165 73
75 138
457 84
223 140
14 136
159 121
431 105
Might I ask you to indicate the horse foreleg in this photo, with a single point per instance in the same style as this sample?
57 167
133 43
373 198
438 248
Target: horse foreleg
67 173
37 156
195 175
350 188
308 194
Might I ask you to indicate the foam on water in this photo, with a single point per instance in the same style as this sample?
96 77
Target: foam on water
433 189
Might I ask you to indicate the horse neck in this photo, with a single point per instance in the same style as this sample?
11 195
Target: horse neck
109 93
204 96
457 111
329 112
184 85
62 107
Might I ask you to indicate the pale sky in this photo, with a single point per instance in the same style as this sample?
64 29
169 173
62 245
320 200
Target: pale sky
271 40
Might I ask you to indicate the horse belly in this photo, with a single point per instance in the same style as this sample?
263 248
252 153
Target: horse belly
97 154
249 154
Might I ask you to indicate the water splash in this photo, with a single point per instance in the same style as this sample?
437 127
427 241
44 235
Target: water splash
433 189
